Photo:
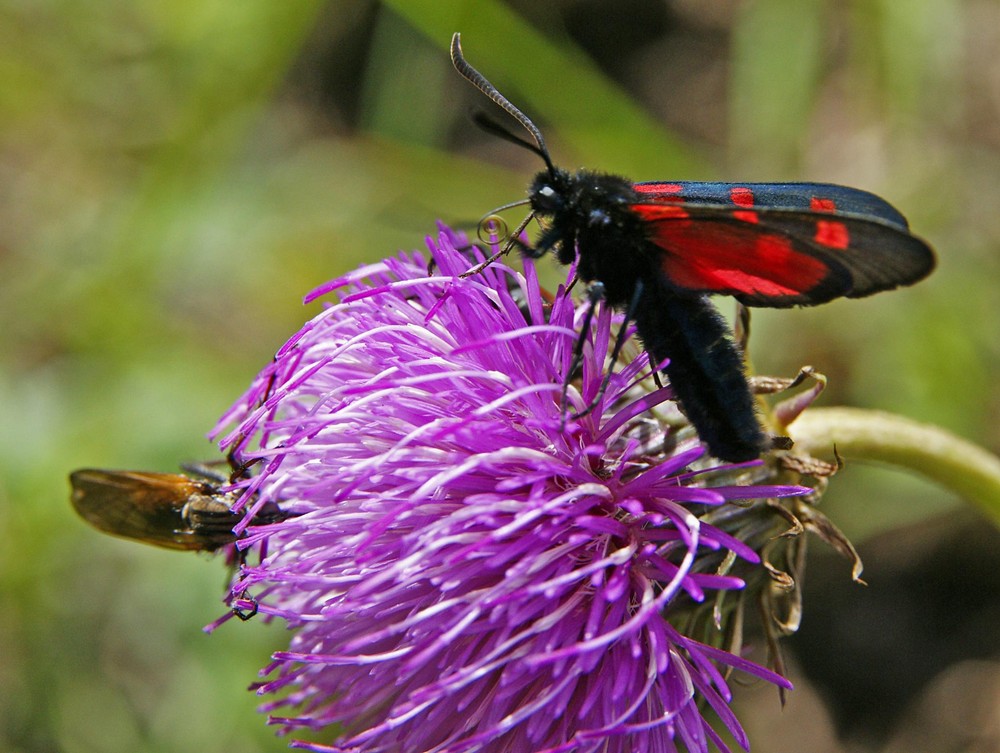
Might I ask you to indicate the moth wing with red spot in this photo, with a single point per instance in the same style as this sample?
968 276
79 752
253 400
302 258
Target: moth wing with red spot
780 244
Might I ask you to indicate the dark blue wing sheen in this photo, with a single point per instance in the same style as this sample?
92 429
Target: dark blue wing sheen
819 197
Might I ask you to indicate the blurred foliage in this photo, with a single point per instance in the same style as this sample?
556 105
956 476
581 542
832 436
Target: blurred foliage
176 175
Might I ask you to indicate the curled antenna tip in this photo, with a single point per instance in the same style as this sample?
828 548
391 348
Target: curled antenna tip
477 79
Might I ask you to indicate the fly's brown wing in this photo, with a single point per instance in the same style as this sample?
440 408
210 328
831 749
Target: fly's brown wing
169 510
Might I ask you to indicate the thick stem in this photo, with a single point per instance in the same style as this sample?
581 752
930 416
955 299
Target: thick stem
867 435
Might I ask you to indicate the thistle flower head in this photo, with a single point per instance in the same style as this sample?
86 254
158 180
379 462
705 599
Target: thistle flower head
465 569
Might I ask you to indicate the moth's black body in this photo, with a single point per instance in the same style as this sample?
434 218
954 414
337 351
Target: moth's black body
589 214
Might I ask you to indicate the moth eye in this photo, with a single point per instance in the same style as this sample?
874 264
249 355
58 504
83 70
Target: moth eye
547 199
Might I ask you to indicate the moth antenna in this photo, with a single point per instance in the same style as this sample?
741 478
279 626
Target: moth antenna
479 81
491 126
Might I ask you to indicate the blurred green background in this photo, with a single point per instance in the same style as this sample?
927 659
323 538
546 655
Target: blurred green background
176 175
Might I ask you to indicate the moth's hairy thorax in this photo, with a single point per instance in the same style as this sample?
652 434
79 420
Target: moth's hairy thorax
591 212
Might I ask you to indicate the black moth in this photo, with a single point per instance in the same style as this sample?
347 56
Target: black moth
658 250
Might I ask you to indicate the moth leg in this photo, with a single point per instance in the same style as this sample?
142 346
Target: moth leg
595 293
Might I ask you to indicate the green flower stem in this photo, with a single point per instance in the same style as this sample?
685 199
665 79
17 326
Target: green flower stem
868 435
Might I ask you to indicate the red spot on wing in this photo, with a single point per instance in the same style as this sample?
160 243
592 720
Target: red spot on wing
658 187
832 234
819 204
715 255
670 211
741 196
746 215
667 193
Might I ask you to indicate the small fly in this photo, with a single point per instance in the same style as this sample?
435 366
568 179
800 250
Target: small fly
168 510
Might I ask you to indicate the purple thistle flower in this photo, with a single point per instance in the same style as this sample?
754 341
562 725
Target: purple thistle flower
464 568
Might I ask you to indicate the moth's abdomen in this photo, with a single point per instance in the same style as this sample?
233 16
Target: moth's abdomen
705 370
